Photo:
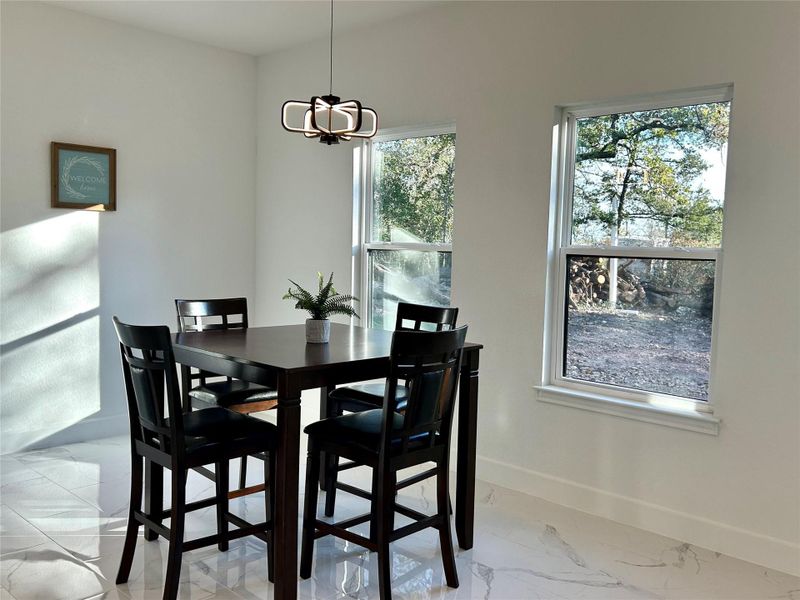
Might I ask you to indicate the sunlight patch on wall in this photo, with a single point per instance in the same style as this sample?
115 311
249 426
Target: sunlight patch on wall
49 273
49 327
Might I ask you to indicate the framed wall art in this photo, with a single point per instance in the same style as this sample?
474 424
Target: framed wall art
83 177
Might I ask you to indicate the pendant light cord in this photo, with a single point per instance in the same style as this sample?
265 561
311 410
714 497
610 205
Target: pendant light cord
330 89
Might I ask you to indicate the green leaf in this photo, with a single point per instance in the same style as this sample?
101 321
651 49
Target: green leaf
325 292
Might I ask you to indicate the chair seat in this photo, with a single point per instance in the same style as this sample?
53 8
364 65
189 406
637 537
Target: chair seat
363 396
228 393
216 432
362 429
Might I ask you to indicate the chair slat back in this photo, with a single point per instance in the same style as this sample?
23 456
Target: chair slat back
429 362
418 317
197 315
151 384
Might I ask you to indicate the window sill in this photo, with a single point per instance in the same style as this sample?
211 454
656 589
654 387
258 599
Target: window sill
680 419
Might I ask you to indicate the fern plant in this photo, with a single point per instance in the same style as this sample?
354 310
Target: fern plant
327 302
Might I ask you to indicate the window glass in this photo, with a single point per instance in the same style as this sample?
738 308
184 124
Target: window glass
657 339
406 276
651 178
412 189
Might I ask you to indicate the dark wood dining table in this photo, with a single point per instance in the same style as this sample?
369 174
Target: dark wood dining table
280 357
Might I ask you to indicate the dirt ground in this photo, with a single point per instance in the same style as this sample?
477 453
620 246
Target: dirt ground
654 352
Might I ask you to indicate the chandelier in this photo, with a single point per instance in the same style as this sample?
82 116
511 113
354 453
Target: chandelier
328 117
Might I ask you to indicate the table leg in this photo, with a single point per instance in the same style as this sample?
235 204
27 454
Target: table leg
286 482
186 385
324 413
467 438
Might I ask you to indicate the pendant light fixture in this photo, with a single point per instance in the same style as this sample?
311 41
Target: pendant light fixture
327 117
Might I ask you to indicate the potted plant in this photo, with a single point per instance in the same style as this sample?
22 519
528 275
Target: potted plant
326 303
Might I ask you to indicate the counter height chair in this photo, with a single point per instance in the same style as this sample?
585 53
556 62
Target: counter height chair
163 436
385 440
202 389
367 396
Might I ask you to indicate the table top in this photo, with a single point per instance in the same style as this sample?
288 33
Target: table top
285 348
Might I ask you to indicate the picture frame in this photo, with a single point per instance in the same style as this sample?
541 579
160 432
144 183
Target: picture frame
83 177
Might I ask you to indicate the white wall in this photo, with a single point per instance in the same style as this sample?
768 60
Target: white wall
498 70
182 118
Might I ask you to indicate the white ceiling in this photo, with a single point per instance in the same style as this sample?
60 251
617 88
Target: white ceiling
254 27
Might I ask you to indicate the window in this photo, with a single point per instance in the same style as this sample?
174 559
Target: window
404 233
636 250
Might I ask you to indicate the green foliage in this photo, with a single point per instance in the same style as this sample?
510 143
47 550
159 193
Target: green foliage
327 302
413 189
645 174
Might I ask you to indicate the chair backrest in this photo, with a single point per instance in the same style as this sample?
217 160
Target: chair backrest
415 317
429 362
151 384
207 315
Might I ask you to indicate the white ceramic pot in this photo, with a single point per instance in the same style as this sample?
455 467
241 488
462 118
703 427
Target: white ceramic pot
318 331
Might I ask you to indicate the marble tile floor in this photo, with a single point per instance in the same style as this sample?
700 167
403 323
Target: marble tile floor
62 520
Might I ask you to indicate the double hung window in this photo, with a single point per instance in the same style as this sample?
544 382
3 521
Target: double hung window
637 248
404 185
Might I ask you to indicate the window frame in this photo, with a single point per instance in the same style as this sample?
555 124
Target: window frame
602 397
362 210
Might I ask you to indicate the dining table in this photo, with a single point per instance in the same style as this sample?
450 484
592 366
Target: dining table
280 357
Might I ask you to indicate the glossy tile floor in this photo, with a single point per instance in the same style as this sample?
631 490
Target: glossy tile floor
63 516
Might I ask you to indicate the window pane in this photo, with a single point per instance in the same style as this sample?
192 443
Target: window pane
651 178
406 276
649 329
412 189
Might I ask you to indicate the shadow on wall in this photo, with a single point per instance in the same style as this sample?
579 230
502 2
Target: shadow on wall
49 329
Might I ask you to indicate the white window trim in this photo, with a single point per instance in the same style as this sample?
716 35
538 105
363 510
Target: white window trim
362 209
663 409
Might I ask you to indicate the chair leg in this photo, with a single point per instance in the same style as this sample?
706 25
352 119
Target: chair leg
445 535
384 572
269 502
375 517
221 481
392 499
331 479
176 526
383 506
243 474
327 408
132 530
310 511
154 494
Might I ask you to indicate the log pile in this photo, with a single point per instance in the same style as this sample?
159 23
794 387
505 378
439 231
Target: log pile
589 283
589 286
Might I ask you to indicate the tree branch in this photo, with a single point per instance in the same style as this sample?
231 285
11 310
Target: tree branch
609 150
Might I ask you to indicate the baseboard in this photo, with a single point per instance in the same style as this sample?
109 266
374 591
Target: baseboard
774 553
91 428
